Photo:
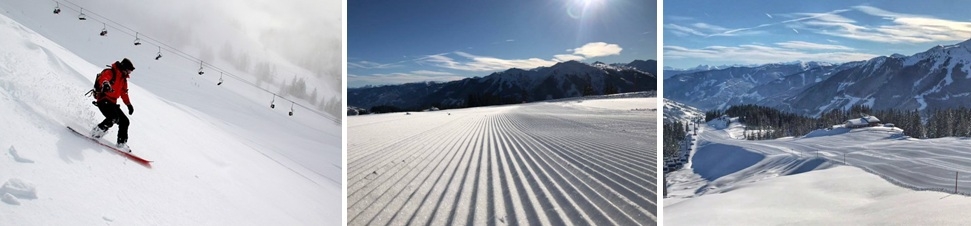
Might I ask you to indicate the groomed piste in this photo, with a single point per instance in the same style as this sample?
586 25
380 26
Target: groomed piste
580 161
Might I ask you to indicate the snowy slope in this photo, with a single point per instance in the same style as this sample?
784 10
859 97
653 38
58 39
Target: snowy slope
219 158
552 163
729 168
676 111
837 196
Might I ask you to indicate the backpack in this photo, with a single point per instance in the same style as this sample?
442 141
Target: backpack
96 92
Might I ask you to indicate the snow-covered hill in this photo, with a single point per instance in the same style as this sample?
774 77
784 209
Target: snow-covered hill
582 162
675 111
221 156
726 169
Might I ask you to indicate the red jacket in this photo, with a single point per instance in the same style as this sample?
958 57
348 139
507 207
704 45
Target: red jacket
119 86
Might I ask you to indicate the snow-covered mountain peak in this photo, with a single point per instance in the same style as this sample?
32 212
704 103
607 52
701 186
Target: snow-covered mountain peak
602 65
561 80
571 66
965 43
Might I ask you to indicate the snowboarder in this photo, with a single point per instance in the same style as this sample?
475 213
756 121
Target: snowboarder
111 84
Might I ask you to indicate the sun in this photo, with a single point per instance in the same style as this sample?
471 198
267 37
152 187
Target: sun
577 8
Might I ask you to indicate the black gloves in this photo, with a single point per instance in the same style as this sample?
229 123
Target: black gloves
130 110
106 87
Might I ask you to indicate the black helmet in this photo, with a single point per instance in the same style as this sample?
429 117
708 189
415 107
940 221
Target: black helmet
126 65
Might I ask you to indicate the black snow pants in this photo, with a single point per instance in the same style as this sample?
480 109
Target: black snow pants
113 114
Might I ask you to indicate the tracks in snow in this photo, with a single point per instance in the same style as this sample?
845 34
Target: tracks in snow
530 164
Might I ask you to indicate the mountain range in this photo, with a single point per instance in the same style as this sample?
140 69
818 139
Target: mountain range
934 79
562 80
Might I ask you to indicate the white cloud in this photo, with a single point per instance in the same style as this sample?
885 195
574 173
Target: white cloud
832 16
401 78
432 73
709 27
678 18
484 63
709 30
903 28
812 46
370 65
684 31
439 60
471 62
598 49
762 54
768 15
567 57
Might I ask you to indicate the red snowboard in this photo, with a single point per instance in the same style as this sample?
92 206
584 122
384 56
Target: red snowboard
127 153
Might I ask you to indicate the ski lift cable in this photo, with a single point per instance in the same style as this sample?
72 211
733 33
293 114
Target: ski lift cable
161 45
189 57
213 67
128 31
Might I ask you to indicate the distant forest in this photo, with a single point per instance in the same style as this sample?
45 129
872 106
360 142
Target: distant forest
673 133
768 123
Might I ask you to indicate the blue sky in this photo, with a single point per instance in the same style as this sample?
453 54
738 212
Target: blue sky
393 42
758 32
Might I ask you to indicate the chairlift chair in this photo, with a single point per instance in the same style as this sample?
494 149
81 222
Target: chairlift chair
291 108
159 53
57 9
104 29
200 68
82 16
220 79
138 41
272 101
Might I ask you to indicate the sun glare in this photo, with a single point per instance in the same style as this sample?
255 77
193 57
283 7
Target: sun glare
577 8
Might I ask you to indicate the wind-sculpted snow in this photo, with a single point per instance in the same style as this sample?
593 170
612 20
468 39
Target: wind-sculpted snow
553 163
841 195
928 164
782 180
718 160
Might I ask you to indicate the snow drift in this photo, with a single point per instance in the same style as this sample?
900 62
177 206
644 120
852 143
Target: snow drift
789 180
